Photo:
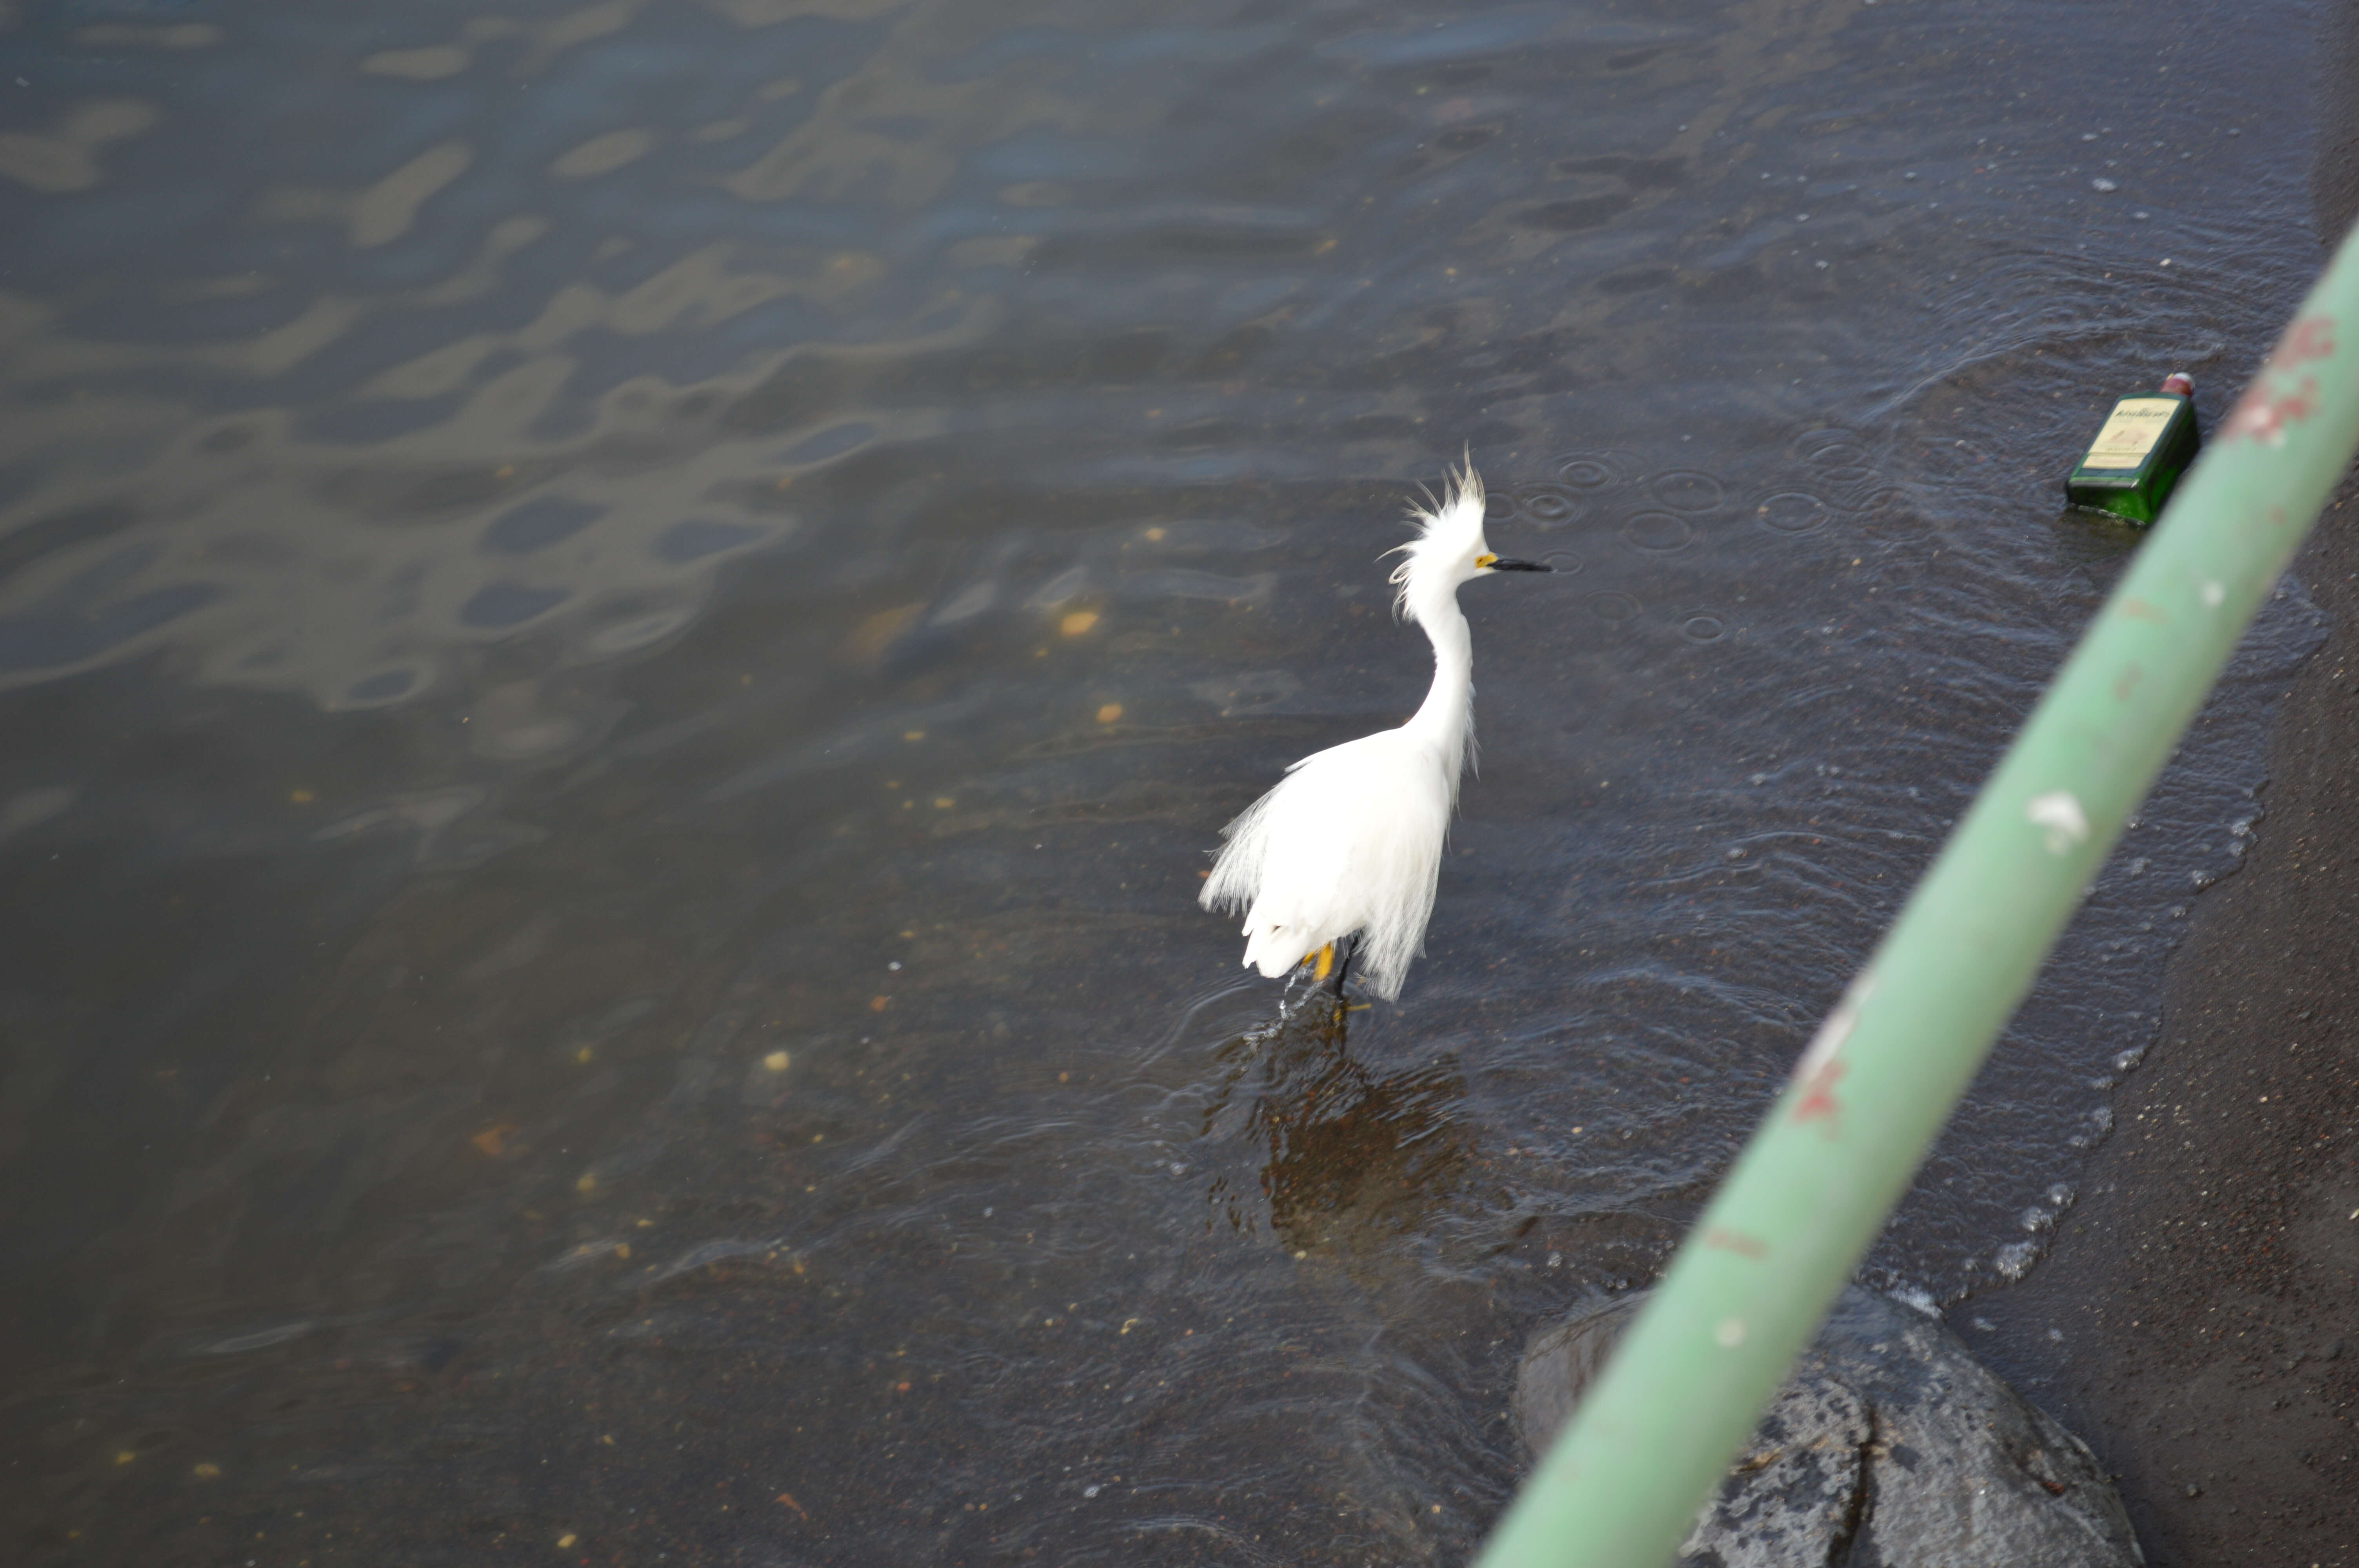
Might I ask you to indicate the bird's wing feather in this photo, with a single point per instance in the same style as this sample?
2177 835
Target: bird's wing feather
1237 868
1350 840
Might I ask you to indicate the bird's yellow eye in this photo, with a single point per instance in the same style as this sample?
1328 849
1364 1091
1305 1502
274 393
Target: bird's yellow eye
1484 560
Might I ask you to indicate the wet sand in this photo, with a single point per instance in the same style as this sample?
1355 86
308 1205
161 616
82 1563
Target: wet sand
2198 1322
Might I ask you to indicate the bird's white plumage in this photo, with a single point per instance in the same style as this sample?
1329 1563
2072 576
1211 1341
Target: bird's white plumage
1351 839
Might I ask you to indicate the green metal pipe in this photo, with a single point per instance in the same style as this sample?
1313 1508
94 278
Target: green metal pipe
1624 1481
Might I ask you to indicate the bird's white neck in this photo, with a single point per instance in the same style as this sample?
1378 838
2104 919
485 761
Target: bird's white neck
1445 720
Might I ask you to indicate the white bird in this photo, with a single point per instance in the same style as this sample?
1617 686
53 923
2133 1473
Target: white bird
1351 839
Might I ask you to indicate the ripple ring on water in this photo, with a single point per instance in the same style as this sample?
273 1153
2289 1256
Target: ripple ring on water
1702 627
1891 516
1832 446
1659 531
1591 471
1547 505
1792 511
1613 607
1687 490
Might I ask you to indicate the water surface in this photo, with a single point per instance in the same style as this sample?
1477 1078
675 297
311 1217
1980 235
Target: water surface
623 631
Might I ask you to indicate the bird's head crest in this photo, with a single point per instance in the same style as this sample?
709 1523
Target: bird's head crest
1448 548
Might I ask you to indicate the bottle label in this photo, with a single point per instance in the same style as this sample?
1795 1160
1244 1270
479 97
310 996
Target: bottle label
2136 424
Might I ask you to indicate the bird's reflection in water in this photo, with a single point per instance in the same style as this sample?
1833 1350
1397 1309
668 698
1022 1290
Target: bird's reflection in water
1356 1159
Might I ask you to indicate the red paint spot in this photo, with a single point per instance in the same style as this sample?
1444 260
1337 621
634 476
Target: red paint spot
1736 1241
2263 417
1819 1102
2311 338
2267 407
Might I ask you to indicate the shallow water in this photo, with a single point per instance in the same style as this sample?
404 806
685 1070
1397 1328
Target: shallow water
623 629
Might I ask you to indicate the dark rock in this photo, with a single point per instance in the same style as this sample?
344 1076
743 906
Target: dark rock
1889 1443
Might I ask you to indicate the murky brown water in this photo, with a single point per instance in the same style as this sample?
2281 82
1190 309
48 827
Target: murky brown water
623 631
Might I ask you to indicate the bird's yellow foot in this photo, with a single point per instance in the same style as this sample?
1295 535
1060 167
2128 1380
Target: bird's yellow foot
1325 959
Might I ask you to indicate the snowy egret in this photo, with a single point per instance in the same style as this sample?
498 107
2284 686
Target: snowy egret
1350 841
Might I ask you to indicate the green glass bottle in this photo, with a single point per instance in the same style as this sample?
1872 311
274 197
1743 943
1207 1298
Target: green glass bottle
2145 445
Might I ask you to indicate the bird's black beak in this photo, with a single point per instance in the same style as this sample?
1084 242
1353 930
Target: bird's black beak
1504 564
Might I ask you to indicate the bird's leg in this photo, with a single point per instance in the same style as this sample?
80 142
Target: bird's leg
1351 946
1325 959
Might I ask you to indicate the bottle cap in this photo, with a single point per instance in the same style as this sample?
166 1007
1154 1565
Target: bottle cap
2179 382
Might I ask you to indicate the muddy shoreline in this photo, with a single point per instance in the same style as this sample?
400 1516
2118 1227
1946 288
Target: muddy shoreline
2198 1322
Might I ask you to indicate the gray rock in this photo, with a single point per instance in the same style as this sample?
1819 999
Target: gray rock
1889 1445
